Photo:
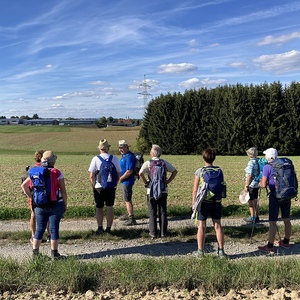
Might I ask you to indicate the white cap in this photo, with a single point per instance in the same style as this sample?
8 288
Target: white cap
271 153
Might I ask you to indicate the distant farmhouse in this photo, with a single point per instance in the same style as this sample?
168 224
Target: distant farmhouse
121 122
49 121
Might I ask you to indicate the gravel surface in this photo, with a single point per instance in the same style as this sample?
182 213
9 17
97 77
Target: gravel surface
137 247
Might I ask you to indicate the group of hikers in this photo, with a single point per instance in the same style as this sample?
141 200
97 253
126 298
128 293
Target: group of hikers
47 196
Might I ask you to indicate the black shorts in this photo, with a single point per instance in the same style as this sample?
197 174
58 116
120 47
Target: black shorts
253 193
275 206
212 209
106 196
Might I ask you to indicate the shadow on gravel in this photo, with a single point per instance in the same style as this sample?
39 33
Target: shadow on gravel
154 250
169 249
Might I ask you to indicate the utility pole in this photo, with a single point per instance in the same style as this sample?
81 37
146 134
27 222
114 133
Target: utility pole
145 93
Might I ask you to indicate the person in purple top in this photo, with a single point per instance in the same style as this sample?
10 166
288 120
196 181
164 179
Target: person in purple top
274 206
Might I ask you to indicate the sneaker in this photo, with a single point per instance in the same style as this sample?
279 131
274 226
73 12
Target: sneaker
124 217
108 230
57 256
35 253
282 244
131 221
266 249
250 220
200 253
99 230
222 254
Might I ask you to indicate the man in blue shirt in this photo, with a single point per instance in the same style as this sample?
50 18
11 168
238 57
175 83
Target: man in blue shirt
127 179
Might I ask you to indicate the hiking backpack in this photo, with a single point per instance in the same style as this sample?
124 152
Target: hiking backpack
261 163
158 178
107 174
40 178
285 179
214 178
139 160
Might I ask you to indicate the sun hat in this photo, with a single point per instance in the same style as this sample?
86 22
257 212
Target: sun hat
123 143
271 153
103 144
252 152
244 197
49 158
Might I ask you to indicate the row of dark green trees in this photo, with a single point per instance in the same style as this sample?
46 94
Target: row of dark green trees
228 118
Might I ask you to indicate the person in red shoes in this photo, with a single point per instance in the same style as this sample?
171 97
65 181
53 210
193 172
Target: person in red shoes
274 206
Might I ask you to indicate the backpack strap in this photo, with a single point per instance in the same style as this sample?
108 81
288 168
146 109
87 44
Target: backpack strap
103 160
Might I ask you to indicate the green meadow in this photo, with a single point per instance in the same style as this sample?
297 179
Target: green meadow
75 148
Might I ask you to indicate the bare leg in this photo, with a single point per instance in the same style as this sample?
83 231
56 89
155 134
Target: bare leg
201 234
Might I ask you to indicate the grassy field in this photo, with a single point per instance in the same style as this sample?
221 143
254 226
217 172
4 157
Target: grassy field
75 148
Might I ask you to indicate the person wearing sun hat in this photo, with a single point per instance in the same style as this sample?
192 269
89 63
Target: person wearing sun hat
103 195
271 154
251 185
53 210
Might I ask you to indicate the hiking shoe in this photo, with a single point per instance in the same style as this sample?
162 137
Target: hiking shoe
108 230
57 256
200 253
266 249
131 221
35 253
48 238
282 244
99 230
250 220
257 219
222 254
124 218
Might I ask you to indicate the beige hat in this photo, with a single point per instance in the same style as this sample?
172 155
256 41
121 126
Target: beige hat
103 144
49 158
270 153
123 143
252 152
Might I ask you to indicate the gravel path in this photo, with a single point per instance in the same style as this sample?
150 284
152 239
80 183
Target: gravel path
137 247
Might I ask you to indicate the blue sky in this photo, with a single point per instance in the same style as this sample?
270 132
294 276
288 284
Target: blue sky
89 58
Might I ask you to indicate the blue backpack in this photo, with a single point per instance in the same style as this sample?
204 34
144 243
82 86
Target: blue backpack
107 175
158 178
286 183
214 177
261 163
40 178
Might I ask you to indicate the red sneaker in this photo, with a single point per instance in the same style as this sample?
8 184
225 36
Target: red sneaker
283 245
266 249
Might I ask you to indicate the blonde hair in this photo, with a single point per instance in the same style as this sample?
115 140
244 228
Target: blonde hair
38 155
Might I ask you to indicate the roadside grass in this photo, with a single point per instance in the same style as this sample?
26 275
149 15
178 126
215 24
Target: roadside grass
210 274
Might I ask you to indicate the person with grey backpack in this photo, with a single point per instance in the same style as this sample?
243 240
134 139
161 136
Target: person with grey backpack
156 170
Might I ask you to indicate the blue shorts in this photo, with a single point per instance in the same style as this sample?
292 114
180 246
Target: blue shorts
106 196
212 209
274 206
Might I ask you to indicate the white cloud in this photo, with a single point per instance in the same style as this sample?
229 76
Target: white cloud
279 63
99 82
177 68
279 40
197 83
237 64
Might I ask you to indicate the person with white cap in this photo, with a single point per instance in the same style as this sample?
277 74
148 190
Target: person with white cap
251 185
127 179
274 206
103 195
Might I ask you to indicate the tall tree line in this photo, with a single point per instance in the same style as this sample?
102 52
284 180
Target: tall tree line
228 118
